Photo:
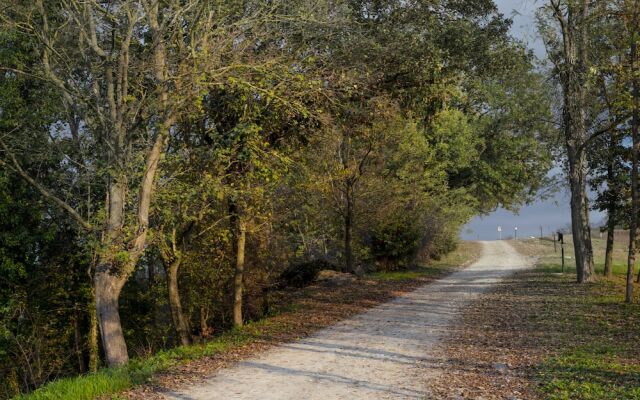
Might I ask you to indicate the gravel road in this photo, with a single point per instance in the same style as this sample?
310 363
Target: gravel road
384 353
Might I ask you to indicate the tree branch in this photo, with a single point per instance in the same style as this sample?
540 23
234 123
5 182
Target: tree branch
46 193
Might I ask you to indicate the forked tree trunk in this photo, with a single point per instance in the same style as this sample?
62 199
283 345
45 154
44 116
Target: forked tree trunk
179 321
204 323
112 270
238 279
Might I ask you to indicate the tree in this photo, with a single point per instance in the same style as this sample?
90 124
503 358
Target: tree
187 153
610 173
564 26
631 18
136 53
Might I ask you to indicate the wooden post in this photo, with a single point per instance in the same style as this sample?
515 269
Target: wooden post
561 239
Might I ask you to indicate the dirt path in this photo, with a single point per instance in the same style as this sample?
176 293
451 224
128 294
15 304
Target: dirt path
384 353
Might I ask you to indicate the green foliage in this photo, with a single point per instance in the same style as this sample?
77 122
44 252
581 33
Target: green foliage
396 243
404 119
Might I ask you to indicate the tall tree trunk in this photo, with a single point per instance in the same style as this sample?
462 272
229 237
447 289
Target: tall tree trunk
612 208
581 229
179 321
238 279
112 270
110 276
348 228
635 200
92 339
573 70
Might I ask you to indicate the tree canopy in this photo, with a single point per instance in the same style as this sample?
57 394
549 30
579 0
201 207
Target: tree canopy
173 158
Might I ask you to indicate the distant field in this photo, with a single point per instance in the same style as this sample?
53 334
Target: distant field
532 247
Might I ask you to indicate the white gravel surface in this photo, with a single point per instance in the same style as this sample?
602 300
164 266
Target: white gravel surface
384 353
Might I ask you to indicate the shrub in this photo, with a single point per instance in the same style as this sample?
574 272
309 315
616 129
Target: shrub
303 273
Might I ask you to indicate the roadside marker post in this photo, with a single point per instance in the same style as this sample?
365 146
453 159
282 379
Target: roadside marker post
561 240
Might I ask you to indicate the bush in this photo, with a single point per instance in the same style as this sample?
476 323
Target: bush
394 246
302 274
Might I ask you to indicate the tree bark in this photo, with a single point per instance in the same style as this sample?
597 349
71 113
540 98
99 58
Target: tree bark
612 208
573 71
179 321
77 336
205 331
635 200
611 230
238 279
93 335
348 228
108 287
580 226
118 259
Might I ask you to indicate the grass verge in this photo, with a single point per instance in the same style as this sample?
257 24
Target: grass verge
110 381
594 353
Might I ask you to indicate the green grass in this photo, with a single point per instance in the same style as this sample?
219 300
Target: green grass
415 273
589 372
464 253
595 355
111 381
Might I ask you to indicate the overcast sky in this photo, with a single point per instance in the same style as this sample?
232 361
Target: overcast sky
551 214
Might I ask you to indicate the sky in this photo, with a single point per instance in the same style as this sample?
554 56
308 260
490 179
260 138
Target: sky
552 214
522 12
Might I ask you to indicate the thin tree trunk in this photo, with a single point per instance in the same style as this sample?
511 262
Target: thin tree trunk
239 273
204 325
611 230
92 338
77 336
635 123
635 201
348 228
612 208
179 321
